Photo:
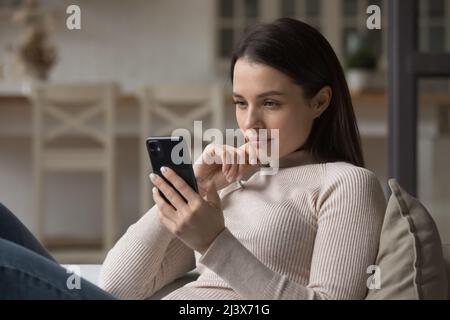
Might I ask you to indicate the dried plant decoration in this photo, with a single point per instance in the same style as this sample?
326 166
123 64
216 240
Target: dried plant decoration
34 54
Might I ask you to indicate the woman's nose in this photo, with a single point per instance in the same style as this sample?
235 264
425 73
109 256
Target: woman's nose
253 119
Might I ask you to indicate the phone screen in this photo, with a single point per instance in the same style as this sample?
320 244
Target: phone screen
171 152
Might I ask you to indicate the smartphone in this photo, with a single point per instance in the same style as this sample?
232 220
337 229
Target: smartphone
171 152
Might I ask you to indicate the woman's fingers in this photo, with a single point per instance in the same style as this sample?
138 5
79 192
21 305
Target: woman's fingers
174 198
166 212
233 172
208 156
251 154
234 161
179 184
226 160
222 155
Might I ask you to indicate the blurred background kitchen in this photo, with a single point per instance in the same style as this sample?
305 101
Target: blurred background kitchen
76 105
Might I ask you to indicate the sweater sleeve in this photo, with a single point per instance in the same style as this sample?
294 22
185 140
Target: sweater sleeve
350 211
145 259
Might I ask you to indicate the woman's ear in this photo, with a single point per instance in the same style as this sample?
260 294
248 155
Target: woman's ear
321 101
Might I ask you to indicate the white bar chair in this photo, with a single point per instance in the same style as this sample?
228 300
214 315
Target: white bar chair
52 122
160 115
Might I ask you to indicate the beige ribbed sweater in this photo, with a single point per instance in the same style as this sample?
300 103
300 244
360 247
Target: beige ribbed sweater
308 232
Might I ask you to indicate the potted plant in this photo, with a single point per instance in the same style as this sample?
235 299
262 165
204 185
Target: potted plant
361 67
34 54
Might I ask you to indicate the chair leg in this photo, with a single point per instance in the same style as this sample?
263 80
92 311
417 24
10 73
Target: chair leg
145 166
109 209
146 198
39 204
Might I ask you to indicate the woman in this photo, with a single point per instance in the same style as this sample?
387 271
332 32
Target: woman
308 232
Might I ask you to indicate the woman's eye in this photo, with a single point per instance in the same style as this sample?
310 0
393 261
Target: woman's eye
240 104
271 104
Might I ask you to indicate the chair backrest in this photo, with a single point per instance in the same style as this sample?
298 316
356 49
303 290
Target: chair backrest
169 107
165 108
74 131
84 111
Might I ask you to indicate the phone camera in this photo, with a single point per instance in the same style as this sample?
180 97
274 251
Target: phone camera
155 147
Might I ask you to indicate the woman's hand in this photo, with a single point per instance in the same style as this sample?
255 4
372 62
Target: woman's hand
223 164
198 222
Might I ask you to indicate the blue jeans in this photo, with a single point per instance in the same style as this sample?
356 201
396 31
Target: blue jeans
27 270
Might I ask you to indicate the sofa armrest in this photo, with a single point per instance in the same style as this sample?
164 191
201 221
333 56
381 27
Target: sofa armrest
91 273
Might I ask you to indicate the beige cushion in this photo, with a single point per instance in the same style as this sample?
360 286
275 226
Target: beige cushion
410 257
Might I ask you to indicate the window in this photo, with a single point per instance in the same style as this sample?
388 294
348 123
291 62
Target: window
433 153
434 35
6 9
354 24
308 11
434 28
338 20
234 17
9 3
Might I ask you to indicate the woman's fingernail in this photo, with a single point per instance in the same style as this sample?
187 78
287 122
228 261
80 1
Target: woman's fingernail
154 190
152 176
163 169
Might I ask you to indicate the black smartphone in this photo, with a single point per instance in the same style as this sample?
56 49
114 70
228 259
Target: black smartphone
171 152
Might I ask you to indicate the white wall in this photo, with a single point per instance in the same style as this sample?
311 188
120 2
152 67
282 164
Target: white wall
134 42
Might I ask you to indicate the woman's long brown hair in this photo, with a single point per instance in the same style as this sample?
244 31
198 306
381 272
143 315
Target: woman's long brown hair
301 52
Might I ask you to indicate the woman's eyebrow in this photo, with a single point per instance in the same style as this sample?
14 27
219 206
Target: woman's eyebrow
262 95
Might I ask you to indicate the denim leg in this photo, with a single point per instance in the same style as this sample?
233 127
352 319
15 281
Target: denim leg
24 274
13 230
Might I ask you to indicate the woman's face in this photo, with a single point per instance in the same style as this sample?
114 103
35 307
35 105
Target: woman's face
265 98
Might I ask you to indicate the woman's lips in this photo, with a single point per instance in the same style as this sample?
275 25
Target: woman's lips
260 142
256 138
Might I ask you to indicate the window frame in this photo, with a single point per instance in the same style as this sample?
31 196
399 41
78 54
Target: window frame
327 21
424 24
314 21
236 23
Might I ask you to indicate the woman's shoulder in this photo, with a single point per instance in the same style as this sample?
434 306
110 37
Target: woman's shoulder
349 186
331 174
352 186
343 174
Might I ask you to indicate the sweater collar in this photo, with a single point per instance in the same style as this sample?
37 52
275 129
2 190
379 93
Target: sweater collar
294 159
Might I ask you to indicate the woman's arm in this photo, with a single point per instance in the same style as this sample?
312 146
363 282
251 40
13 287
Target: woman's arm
145 259
350 211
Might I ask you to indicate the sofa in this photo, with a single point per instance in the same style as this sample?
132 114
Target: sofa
91 273
414 264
